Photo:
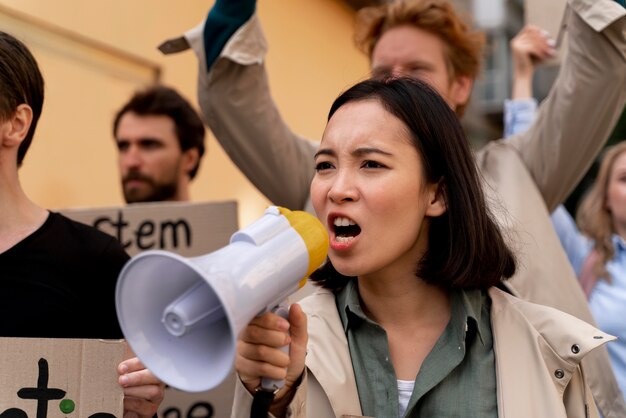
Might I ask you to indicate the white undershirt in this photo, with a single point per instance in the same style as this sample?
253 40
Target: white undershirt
405 389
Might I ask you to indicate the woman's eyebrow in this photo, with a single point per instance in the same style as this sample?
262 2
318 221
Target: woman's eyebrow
357 152
324 151
369 150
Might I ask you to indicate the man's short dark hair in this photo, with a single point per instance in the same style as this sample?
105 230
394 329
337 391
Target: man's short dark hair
21 82
159 100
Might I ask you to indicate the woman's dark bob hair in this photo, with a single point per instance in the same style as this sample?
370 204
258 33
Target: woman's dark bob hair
466 249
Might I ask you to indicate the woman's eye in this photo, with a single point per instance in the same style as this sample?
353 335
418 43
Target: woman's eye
372 164
324 165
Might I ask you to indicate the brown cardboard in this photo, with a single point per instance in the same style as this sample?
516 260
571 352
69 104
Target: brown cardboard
211 225
188 229
80 370
549 15
216 403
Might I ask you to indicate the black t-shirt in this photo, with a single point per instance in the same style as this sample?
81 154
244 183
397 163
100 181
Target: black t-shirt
59 282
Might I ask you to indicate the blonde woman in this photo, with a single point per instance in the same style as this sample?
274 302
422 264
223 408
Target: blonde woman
598 250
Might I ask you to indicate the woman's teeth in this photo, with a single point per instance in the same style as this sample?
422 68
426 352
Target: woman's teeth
345 229
341 221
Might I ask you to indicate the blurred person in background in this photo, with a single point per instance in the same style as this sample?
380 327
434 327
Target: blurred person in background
160 142
597 250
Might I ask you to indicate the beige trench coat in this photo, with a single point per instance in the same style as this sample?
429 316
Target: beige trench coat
531 343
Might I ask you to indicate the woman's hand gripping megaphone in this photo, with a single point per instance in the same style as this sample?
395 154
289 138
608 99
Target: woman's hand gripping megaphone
271 349
271 352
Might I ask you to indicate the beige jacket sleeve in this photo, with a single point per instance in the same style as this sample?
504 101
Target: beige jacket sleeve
235 100
588 96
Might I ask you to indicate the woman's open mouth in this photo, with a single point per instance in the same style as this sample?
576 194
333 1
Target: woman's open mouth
345 229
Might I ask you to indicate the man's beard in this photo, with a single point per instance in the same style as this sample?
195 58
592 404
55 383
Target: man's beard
154 193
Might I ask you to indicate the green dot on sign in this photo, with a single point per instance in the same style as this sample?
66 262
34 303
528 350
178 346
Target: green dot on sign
67 406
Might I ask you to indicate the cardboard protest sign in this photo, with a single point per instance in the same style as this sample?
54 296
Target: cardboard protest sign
60 378
210 404
188 229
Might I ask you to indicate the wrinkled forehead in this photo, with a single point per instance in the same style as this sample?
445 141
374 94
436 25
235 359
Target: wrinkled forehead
365 123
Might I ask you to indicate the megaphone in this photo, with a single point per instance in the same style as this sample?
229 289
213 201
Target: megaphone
181 316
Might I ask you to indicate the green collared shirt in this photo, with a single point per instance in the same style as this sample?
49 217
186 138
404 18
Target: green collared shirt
456 379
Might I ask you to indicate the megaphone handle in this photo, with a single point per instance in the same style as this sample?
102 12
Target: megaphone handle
268 384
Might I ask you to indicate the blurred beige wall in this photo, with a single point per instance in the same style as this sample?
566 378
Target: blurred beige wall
95 54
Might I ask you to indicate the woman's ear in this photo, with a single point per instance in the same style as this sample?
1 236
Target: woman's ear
16 127
436 199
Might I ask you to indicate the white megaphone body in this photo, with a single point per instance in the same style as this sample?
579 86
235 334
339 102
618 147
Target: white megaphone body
181 316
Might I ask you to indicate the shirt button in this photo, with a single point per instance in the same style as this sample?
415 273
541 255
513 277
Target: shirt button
559 373
575 349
